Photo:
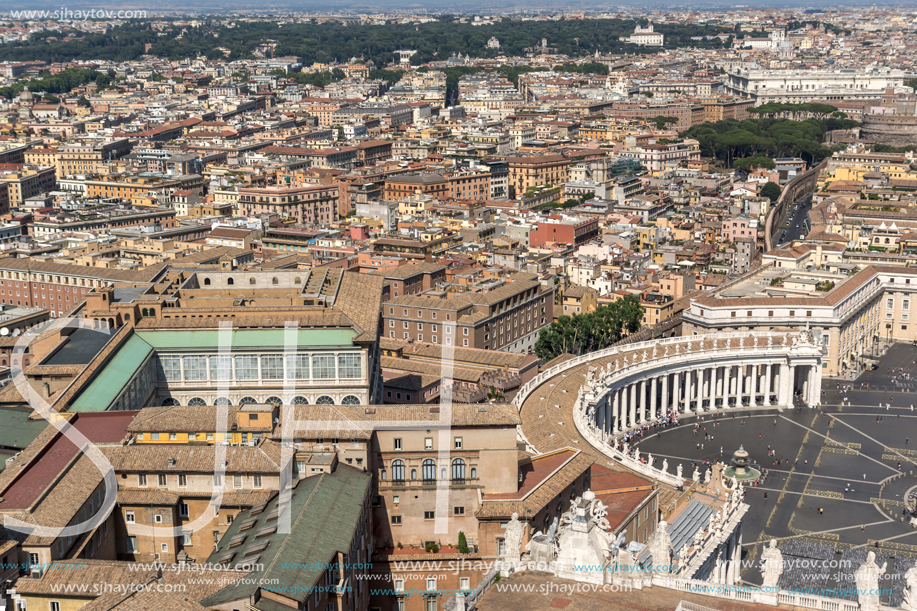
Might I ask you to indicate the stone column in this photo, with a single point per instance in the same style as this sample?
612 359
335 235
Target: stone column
783 386
767 384
711 394
633 404
641 413
816 382
749 389
676 390
665 393
791 378
689 390
654 385
616 408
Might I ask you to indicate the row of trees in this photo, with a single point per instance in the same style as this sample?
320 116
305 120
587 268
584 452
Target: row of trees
330 42
774 109
729 140
62 82
584 333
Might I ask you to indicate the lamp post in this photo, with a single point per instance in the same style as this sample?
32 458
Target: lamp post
888 332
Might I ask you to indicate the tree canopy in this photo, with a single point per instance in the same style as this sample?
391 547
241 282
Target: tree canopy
748 163
584 333
62 82
662 120
330 41
771 191
729 140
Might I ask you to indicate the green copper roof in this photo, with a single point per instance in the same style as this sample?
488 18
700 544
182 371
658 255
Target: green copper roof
325 516
114 375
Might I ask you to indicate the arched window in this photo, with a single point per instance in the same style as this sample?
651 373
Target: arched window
474 473
197 402
274 400
429 470
382 475
169 401
397 470
324 400
251 281
275 281
206 281
222 401
458 470
247 401
230 281
297 280
350 400
300 401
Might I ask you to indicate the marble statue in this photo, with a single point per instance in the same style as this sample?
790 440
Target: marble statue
654 350
678 470
542 547
660 547
770 340
637 454
512 538
665 465
649 459
707 476
910 589
696 475
666 351
867 582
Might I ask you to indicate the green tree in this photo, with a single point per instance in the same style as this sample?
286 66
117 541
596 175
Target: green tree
662 120
83 102
748 163
584 333
771 191
462 543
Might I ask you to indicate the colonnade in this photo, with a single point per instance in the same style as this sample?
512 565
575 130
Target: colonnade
716 387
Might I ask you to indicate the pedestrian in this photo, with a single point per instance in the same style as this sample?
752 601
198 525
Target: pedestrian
775 422
765 496
864 477
862 528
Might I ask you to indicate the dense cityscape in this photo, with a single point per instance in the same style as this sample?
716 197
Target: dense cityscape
503 308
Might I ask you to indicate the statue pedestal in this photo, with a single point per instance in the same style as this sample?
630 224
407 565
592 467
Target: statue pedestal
767 598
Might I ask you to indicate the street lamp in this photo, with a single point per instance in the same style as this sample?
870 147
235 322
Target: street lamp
888 332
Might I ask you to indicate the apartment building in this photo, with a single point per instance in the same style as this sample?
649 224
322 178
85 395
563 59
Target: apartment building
535 171
23 182
307 205
508 316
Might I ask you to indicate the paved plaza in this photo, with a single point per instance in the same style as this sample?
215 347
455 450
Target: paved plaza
841 462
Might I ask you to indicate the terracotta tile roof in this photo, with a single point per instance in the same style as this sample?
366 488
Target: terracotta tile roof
488 358
145 274
90 573
147 496
264 458
366 417
360 299
541 495
175 419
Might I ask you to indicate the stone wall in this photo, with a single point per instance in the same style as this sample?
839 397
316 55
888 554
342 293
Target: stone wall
893 130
